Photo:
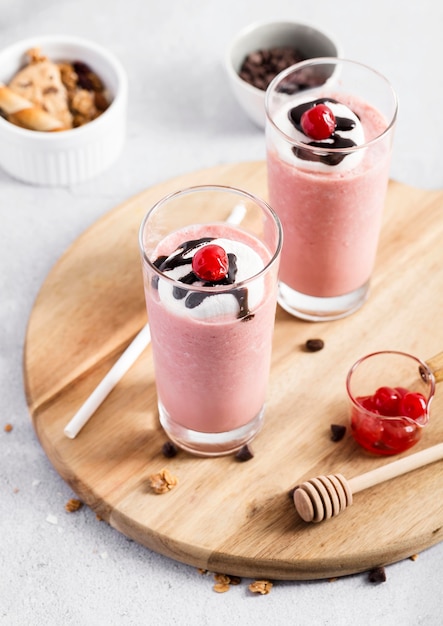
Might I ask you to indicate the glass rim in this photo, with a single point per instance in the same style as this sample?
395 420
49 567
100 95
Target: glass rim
329 61
420 422
422 364
208 188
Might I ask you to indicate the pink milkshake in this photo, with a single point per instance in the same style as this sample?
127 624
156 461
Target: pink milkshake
328 186
211 333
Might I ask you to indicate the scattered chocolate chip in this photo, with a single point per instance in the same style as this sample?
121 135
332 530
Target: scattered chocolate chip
261 66
244 454
338 431
377 575
314 345
169 449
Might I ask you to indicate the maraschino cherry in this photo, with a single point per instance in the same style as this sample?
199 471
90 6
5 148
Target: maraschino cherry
391 434
210 263
413 405
395 402
318 122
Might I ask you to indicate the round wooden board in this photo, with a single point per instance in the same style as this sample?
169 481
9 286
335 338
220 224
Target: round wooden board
224 515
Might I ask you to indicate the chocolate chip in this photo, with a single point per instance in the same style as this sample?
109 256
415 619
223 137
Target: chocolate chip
314 345
377 575
338 431
244 454
85 82
80 67
261 66
169 449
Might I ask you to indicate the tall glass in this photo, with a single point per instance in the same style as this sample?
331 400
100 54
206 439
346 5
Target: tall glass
211 315
327 180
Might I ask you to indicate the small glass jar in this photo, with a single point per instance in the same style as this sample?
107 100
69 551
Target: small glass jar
390 394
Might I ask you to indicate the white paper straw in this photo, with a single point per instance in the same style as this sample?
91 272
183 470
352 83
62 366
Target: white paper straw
128 358
117 371
237 214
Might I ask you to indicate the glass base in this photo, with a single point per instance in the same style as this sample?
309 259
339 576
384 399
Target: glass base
315 309
210 444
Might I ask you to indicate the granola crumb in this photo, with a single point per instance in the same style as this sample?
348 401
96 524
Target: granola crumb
221 587
413 557
98 517
163 481
202 571
260 586
224 581
73 505
221 583
333 579
8 428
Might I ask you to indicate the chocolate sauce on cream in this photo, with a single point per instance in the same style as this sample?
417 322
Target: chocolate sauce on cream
344 124
193 299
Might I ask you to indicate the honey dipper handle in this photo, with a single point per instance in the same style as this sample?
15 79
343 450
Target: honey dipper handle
396 468
435 364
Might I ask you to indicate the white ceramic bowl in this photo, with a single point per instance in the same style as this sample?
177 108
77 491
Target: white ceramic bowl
310 41
66 157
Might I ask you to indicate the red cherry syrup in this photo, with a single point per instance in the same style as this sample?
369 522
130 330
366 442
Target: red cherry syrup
384 422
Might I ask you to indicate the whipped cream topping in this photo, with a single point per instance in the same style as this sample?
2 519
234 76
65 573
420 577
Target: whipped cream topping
348 134
235 302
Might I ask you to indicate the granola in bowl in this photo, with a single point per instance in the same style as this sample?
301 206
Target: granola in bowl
70 92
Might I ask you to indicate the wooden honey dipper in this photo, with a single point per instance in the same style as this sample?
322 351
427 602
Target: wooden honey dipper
326 496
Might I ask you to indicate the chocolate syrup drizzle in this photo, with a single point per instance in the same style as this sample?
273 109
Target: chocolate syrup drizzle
344 124
194 298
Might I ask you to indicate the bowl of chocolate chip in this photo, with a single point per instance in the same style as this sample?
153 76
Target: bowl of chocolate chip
262 50
63 104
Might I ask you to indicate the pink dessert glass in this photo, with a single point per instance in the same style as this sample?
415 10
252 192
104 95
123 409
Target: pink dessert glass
328 193
377 422
211 343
